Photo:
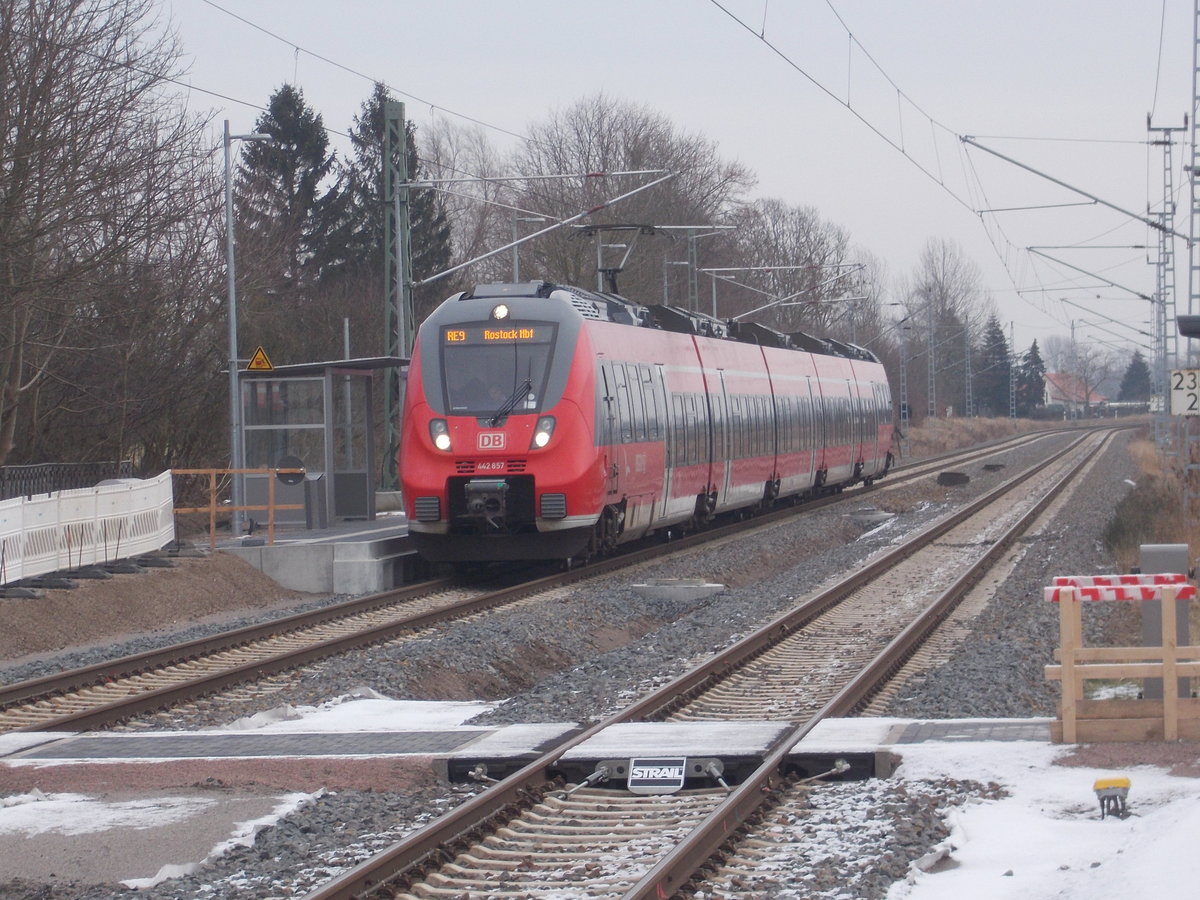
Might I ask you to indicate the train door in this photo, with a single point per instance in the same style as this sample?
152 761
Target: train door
820 433
666 433
874 419
608 429
858 424
808 427
721 462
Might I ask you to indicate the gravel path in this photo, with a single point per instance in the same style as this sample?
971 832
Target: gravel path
617 644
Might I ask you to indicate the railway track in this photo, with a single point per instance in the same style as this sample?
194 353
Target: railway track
523 837
115 691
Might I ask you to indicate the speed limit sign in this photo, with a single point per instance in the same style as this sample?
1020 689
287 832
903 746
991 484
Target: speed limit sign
1185 392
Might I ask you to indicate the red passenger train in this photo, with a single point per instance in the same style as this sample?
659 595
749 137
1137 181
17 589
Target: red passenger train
549 422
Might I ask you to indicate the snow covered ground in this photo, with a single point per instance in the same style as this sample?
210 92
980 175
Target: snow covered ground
1047 839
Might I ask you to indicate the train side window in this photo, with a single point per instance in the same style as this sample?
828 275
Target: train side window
690 430
736 427
764 425
624 413
650 402
797 425
793 425
755 422
604 405
755 426
716 429
805 426
751 425
637 413
761 423
783 423
685 430
678 438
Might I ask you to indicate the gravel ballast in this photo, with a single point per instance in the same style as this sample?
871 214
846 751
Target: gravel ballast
617 644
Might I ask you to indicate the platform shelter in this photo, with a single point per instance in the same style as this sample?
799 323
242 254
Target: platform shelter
318 417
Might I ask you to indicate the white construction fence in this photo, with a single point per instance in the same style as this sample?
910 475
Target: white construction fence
118 519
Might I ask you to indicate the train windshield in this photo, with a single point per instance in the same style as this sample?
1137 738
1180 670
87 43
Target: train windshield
487 369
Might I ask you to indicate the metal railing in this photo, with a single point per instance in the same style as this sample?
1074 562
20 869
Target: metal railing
46 478
217 478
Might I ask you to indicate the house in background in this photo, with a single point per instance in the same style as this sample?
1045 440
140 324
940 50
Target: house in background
1066 390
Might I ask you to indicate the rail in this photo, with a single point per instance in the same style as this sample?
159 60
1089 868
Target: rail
439 840
214 504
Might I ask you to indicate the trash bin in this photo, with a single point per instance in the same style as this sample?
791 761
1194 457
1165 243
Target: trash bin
315 513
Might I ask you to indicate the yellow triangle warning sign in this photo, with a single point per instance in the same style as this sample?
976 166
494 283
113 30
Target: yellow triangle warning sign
259 362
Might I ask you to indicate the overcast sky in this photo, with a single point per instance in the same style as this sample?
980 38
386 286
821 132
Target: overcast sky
853 107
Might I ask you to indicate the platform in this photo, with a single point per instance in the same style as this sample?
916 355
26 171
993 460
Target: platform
349 557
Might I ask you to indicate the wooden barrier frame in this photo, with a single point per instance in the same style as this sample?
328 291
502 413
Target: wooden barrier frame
213 506
1108 721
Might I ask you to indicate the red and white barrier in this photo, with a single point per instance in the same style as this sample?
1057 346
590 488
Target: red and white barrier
68 529
1095 588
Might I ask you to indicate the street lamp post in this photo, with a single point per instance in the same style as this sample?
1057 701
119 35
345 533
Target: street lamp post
235 400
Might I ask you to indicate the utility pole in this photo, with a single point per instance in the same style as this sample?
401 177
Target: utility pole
1166 341
397 276
1012 373
1190 438
969 401
931 356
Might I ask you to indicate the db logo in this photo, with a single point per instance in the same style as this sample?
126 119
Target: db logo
491 440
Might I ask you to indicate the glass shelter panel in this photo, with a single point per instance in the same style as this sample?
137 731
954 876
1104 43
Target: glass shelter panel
283 402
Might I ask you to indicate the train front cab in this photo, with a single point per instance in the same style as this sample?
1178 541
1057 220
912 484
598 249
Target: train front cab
496 455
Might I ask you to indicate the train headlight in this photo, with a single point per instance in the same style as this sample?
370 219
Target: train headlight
542 432
439 431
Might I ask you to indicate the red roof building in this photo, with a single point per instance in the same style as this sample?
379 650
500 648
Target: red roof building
1066 390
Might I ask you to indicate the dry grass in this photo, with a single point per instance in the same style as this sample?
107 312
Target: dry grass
1153 511
936 436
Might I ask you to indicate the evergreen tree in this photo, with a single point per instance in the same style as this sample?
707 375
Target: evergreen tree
1136 386
992 371
1031 382
362 229
286 210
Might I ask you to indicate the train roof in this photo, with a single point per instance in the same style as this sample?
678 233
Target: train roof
603 306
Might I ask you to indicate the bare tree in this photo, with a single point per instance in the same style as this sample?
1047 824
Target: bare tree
475 205
803 263
1090 365
1057 351
600 134
105 249
595 135
947 305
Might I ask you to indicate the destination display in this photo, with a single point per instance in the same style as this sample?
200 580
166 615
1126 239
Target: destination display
496 334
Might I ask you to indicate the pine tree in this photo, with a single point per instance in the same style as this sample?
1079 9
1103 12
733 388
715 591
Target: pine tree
992 371
286 211
1136 385
1031 382
362 230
